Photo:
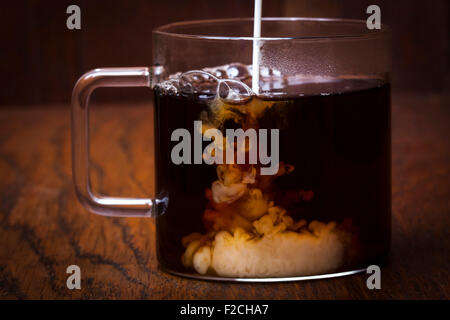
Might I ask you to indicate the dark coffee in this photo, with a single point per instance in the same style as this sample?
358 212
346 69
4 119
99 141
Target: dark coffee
335 152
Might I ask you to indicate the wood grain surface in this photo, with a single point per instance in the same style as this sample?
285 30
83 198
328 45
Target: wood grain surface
43 228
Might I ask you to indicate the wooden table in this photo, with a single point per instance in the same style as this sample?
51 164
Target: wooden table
43 228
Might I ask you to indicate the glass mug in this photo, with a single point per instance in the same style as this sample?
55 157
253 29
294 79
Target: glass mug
323 96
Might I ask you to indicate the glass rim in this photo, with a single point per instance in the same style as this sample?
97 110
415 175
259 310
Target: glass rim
167 29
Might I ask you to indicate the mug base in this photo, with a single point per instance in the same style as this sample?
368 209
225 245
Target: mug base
260 280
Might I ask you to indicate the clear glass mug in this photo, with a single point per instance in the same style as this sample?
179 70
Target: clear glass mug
324 87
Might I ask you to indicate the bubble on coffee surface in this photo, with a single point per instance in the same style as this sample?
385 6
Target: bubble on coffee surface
233 91
197 81
171 86
238 71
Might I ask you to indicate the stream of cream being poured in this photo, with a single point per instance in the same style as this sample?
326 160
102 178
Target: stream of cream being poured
256 46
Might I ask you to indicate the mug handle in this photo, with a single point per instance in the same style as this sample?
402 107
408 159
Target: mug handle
103 205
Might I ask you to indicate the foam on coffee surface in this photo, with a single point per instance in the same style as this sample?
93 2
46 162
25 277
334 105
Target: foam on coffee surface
232 83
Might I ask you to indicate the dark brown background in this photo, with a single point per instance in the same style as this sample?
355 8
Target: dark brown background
43 228
41 59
